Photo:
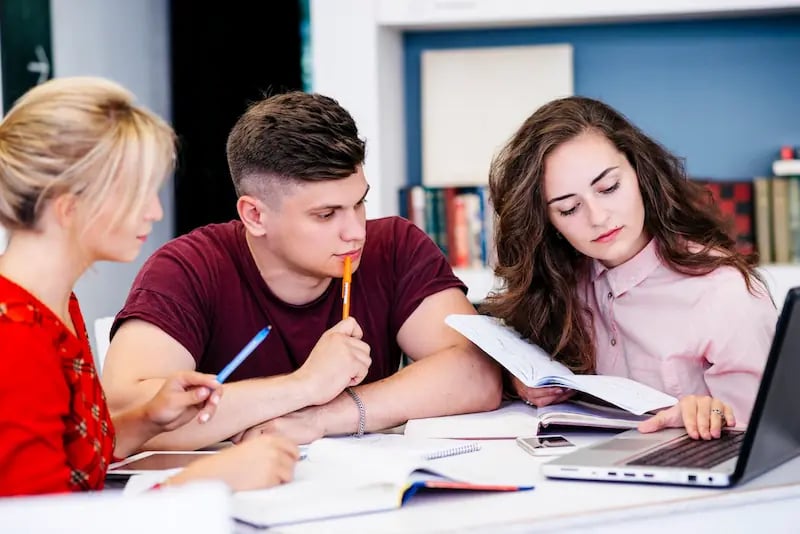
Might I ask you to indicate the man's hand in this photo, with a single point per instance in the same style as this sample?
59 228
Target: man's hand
339 360
703 417
302 426
540 396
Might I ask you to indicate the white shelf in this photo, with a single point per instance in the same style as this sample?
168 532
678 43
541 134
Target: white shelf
780 278
479 282
786 167
454 14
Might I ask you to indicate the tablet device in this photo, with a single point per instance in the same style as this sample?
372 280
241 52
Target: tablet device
149 461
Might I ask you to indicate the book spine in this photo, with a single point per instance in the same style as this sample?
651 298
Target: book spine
762 193
780 219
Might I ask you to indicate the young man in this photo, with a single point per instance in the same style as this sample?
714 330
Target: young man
296 163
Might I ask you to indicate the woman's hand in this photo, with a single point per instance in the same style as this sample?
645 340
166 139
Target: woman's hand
703 417
183 396
540 396
257 463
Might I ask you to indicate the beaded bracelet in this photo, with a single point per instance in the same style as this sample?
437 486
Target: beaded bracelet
362 412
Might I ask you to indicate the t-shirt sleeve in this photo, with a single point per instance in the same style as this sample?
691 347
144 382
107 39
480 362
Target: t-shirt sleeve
173 291
34 400
420 270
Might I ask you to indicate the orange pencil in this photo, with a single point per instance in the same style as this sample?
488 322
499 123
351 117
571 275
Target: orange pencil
346 282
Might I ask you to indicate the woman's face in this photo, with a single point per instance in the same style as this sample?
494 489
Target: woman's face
123 241
593 199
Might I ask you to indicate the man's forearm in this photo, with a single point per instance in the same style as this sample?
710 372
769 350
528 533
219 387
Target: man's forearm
243 404
446 383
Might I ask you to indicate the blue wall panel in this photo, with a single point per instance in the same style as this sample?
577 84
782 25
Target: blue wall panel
723 94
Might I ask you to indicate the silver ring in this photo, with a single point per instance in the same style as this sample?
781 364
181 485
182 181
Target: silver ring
718 412
526 401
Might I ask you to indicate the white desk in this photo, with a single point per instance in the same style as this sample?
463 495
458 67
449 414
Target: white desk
768 504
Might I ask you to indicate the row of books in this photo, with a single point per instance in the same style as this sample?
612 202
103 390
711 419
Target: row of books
777 213
458 219
763 213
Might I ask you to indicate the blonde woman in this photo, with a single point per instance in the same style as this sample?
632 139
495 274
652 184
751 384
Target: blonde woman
80 167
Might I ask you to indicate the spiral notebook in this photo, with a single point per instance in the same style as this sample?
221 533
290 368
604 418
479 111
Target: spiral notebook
418 448
377 472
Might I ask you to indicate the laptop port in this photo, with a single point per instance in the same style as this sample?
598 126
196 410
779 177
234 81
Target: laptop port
692 478
612 473
649 475
630 474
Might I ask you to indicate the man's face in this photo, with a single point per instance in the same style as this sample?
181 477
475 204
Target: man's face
318 224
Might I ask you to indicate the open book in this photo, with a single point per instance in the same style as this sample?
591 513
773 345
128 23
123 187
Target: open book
535 368
348 476
515 419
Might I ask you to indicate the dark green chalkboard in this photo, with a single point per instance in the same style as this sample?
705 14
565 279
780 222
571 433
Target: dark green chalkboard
25 46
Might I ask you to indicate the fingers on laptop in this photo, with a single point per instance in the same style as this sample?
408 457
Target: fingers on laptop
704 417
671 417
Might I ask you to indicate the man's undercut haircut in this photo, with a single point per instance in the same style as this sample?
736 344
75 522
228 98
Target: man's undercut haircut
291 138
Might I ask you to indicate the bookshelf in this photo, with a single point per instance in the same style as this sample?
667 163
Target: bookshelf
357 55
358 58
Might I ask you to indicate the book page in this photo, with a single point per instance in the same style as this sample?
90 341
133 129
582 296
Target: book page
347 476
580 413
534 367
526 361
509 421
628 394
336 478
415 447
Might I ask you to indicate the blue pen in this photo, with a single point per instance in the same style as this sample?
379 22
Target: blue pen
244 353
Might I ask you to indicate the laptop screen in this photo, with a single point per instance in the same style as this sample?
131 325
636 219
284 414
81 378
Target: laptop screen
773 434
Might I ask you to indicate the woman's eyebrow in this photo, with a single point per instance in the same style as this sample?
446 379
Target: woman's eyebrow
597 179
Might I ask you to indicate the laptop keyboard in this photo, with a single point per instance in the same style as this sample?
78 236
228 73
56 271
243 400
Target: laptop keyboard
697 453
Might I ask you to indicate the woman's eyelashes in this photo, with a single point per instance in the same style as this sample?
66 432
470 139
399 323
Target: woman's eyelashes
566 213
573 209
610 189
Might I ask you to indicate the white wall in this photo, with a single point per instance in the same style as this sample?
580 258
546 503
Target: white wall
128 42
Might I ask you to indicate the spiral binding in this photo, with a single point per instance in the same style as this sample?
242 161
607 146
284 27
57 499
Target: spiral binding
453 451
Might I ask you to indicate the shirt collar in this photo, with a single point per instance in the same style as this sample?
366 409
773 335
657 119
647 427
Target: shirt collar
631 273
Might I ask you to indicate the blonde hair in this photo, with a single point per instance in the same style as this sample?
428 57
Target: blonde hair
85 136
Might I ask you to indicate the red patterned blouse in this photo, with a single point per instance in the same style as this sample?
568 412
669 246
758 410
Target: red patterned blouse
56 433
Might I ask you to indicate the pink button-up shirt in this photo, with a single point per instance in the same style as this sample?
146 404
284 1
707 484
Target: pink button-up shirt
684 335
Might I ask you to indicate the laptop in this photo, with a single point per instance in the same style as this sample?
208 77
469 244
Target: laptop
671 457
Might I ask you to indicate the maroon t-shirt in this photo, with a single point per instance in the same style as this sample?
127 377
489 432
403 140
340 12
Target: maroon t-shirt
205 290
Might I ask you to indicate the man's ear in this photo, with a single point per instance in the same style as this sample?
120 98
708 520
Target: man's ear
251 212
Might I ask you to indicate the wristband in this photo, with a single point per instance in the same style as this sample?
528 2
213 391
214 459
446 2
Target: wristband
362 413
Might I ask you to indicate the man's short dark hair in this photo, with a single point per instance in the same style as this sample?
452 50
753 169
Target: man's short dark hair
292 137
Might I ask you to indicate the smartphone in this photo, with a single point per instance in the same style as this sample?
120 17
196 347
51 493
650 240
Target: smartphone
546 445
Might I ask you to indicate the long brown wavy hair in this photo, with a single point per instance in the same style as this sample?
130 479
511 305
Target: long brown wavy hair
541 270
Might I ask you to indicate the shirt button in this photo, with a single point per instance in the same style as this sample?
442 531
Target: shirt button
610 295
613 342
